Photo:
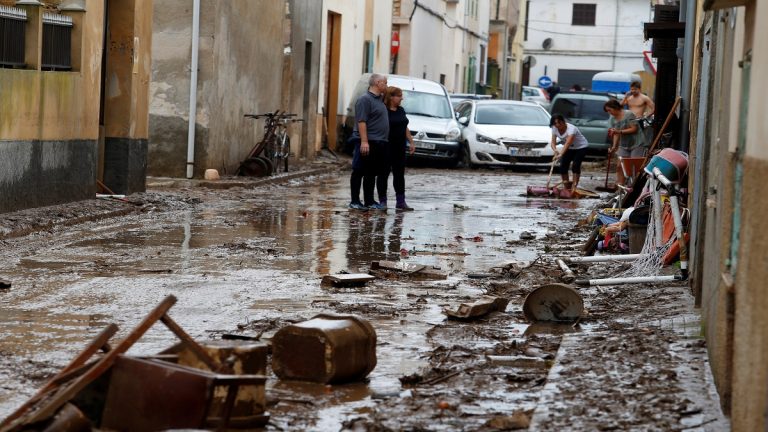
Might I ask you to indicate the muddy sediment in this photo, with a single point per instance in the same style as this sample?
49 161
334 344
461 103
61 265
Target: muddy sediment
249 261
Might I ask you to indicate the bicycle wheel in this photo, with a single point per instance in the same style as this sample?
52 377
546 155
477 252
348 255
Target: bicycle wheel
269 167
255 167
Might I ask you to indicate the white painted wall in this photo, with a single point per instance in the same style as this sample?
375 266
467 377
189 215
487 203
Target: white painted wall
353 13
618 28
435 47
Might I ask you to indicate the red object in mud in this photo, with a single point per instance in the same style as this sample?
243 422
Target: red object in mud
477 239
553 192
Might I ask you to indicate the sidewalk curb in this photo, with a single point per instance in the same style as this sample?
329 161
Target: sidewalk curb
166 184
243 182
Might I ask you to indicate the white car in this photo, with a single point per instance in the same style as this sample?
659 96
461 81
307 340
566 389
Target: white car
536 94
504 133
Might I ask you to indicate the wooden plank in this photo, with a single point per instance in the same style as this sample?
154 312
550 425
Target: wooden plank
98 342
193 346
415 271
478 309
66 393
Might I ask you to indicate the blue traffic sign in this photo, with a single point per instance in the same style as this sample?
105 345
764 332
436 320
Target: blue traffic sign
545 82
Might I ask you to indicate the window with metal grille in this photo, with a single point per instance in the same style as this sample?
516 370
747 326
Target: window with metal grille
583 14
12 23
57 42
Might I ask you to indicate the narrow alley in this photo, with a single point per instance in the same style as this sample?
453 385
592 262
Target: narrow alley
249 261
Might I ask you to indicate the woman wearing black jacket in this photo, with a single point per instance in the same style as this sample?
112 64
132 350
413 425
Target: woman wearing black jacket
400 140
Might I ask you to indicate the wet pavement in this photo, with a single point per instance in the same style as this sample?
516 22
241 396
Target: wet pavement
251 260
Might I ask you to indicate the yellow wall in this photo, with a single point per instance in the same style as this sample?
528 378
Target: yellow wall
42 105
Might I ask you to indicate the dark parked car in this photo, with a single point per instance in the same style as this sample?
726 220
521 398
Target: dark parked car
585 111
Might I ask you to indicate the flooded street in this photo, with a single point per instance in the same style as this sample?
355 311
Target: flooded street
249 261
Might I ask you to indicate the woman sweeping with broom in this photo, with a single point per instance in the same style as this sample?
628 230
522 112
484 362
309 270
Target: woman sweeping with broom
573 151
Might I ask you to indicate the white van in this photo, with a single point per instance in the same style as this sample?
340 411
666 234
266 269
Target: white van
432 122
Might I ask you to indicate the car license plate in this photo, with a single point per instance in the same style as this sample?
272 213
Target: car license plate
514 151
424 145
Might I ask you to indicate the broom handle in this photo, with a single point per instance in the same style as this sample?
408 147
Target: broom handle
661 131
551 168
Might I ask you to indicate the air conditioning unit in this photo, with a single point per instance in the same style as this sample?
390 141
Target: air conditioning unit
451 1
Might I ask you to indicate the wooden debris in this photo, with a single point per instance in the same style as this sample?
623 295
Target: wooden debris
415 271
53 399
519 361
346 280
478 309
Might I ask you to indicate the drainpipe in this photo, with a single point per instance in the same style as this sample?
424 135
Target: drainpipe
687 14
615 36
193 89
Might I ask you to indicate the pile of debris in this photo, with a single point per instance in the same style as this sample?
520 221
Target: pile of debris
216 385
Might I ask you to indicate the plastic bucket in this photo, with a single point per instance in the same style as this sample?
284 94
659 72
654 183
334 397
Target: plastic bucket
672 163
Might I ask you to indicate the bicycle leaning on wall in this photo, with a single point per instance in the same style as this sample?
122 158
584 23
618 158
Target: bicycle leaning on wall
275 145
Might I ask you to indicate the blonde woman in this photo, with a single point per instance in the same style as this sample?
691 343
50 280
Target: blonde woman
400 140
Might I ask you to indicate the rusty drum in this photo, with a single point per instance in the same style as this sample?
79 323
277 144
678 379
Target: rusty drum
326 349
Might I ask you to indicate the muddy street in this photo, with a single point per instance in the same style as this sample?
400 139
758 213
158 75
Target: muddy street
249 261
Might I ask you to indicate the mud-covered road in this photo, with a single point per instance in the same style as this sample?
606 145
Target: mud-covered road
251 260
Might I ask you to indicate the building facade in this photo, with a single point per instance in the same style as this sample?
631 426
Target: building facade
729 160
505 50
73 109
444 41
240 48
356 38
569 42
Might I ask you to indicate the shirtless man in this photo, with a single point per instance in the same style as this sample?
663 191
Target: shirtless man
642 106
638 103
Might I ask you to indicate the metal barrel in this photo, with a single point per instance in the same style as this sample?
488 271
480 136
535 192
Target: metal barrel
326 349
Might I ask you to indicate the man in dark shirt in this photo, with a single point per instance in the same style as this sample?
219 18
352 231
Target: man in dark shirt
370 140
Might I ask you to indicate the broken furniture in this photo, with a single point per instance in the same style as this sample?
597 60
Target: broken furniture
89 382
478 309
243 358
149 395
553 302
326 349
347 279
